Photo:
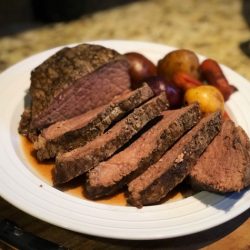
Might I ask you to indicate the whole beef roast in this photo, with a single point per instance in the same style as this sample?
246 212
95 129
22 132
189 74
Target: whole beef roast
110 175
160 178
225 165
77 131
75 80
80 160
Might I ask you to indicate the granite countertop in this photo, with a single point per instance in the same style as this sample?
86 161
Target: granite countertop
212 28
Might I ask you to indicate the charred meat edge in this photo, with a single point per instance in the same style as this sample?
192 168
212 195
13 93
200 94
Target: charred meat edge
160 178
80 160
110 79
108 177
77 131
225 165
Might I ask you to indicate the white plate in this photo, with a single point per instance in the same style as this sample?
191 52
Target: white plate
21 187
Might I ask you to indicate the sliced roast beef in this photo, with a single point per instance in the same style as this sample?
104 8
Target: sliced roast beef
109 176
76 162
76 80
160 178
77 131
225 165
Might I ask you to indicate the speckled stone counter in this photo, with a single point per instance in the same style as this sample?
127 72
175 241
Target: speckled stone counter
213 28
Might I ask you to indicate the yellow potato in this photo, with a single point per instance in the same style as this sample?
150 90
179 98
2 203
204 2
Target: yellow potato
178 60
209 98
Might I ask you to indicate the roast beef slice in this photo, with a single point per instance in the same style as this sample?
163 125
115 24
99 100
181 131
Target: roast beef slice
76 80
160 178
110 175
225 165
77 131
80 160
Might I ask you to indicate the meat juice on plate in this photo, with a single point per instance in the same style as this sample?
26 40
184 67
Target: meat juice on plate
44 170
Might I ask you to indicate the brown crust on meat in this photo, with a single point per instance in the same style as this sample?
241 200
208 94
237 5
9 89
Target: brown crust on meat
225 165
110 176
175 165
245 142
111 79
95 123
65 84
76 162
23 127
62 69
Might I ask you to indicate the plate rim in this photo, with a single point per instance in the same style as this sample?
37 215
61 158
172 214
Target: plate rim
149 209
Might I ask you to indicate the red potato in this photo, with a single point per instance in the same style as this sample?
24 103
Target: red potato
140 68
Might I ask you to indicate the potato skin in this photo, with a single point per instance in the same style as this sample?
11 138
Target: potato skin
178 60
209 98
140 68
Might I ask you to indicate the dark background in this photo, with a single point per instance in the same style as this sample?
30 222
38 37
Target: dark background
19 15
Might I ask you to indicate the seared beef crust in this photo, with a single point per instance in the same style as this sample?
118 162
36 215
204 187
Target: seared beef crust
160 178
109 176
225 165
76 132
80 160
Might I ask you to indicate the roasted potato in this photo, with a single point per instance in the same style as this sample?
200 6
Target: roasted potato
178 61
209 98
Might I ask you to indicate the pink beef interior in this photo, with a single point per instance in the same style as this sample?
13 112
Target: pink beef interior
93 90
62 127
223 165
